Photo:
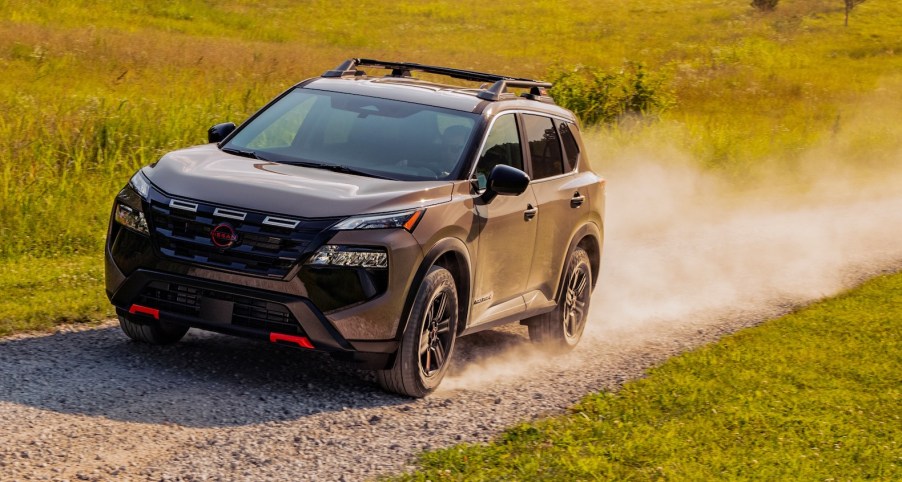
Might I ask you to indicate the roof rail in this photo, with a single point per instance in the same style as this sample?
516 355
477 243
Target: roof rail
536 89
348 68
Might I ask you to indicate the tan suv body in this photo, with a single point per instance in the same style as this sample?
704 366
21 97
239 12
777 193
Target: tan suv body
378 218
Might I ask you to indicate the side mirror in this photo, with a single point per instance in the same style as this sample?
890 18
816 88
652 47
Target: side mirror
220 131
506 181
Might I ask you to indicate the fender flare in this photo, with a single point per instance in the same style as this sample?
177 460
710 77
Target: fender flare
462 256
590 230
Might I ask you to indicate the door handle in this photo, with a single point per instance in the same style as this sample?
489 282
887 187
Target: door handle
530 212
577 200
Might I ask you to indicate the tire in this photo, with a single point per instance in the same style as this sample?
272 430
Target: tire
428 340
561 329
157 333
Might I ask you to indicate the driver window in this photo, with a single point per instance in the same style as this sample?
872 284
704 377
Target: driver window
502 146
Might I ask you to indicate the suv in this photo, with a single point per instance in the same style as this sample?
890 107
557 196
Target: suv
376 218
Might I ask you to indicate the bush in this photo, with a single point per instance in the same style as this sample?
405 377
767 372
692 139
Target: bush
765 5
603 98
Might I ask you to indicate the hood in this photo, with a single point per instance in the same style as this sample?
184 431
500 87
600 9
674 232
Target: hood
204 173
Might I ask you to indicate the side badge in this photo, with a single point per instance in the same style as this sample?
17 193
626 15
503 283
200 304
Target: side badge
485 298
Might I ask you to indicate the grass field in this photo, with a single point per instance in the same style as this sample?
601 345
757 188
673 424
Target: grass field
814 395
93 90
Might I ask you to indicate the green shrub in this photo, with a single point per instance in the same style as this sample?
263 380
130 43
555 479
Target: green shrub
599 97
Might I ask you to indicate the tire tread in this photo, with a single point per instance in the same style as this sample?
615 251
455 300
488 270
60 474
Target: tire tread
153 334
403 377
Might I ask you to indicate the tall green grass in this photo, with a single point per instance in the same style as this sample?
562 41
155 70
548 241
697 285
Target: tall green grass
57 184
92 90
40 293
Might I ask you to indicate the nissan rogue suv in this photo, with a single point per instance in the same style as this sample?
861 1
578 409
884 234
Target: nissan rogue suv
374 217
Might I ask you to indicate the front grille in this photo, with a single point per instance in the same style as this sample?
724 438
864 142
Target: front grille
267 245
245 311
183 300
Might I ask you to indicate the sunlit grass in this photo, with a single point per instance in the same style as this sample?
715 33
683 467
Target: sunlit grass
39 293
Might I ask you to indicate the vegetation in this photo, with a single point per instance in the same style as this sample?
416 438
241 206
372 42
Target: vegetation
38 295
765 5
605 98
850 4
814 395
93 90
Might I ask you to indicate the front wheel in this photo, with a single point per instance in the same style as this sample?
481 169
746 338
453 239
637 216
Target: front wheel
428 340
562 328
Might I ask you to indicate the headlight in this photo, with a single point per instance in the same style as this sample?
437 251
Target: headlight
140 184
127 210
406 219
350 256
131 218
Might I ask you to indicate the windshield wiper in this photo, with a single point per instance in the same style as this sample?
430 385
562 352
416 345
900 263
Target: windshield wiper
242 153
351 170
315 165
339 168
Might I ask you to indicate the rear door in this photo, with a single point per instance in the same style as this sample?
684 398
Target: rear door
561 193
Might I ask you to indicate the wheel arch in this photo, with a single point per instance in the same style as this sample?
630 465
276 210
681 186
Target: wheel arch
589 237
451 254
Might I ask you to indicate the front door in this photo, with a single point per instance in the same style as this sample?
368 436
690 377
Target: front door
507 230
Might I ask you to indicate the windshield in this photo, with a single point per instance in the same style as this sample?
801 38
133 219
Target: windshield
358 134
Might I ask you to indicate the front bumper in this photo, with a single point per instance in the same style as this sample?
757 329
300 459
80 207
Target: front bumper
309 303
226 308
146 296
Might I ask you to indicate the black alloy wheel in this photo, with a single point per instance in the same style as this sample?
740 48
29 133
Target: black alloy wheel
576 301
428 341
562 328
435 337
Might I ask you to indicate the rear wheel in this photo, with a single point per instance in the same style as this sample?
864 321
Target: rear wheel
562 328
155 333
428 340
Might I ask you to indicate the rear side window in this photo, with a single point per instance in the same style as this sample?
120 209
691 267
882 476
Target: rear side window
544 146
571 147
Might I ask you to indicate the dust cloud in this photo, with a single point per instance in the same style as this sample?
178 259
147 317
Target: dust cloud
686 248
681 242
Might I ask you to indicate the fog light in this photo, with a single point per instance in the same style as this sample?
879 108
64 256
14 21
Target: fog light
351 256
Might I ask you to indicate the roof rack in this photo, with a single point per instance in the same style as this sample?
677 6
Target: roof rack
500 83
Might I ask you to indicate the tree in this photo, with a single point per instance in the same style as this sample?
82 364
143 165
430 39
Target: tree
850 4
765 5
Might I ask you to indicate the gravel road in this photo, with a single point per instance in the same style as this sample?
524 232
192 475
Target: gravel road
86 404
